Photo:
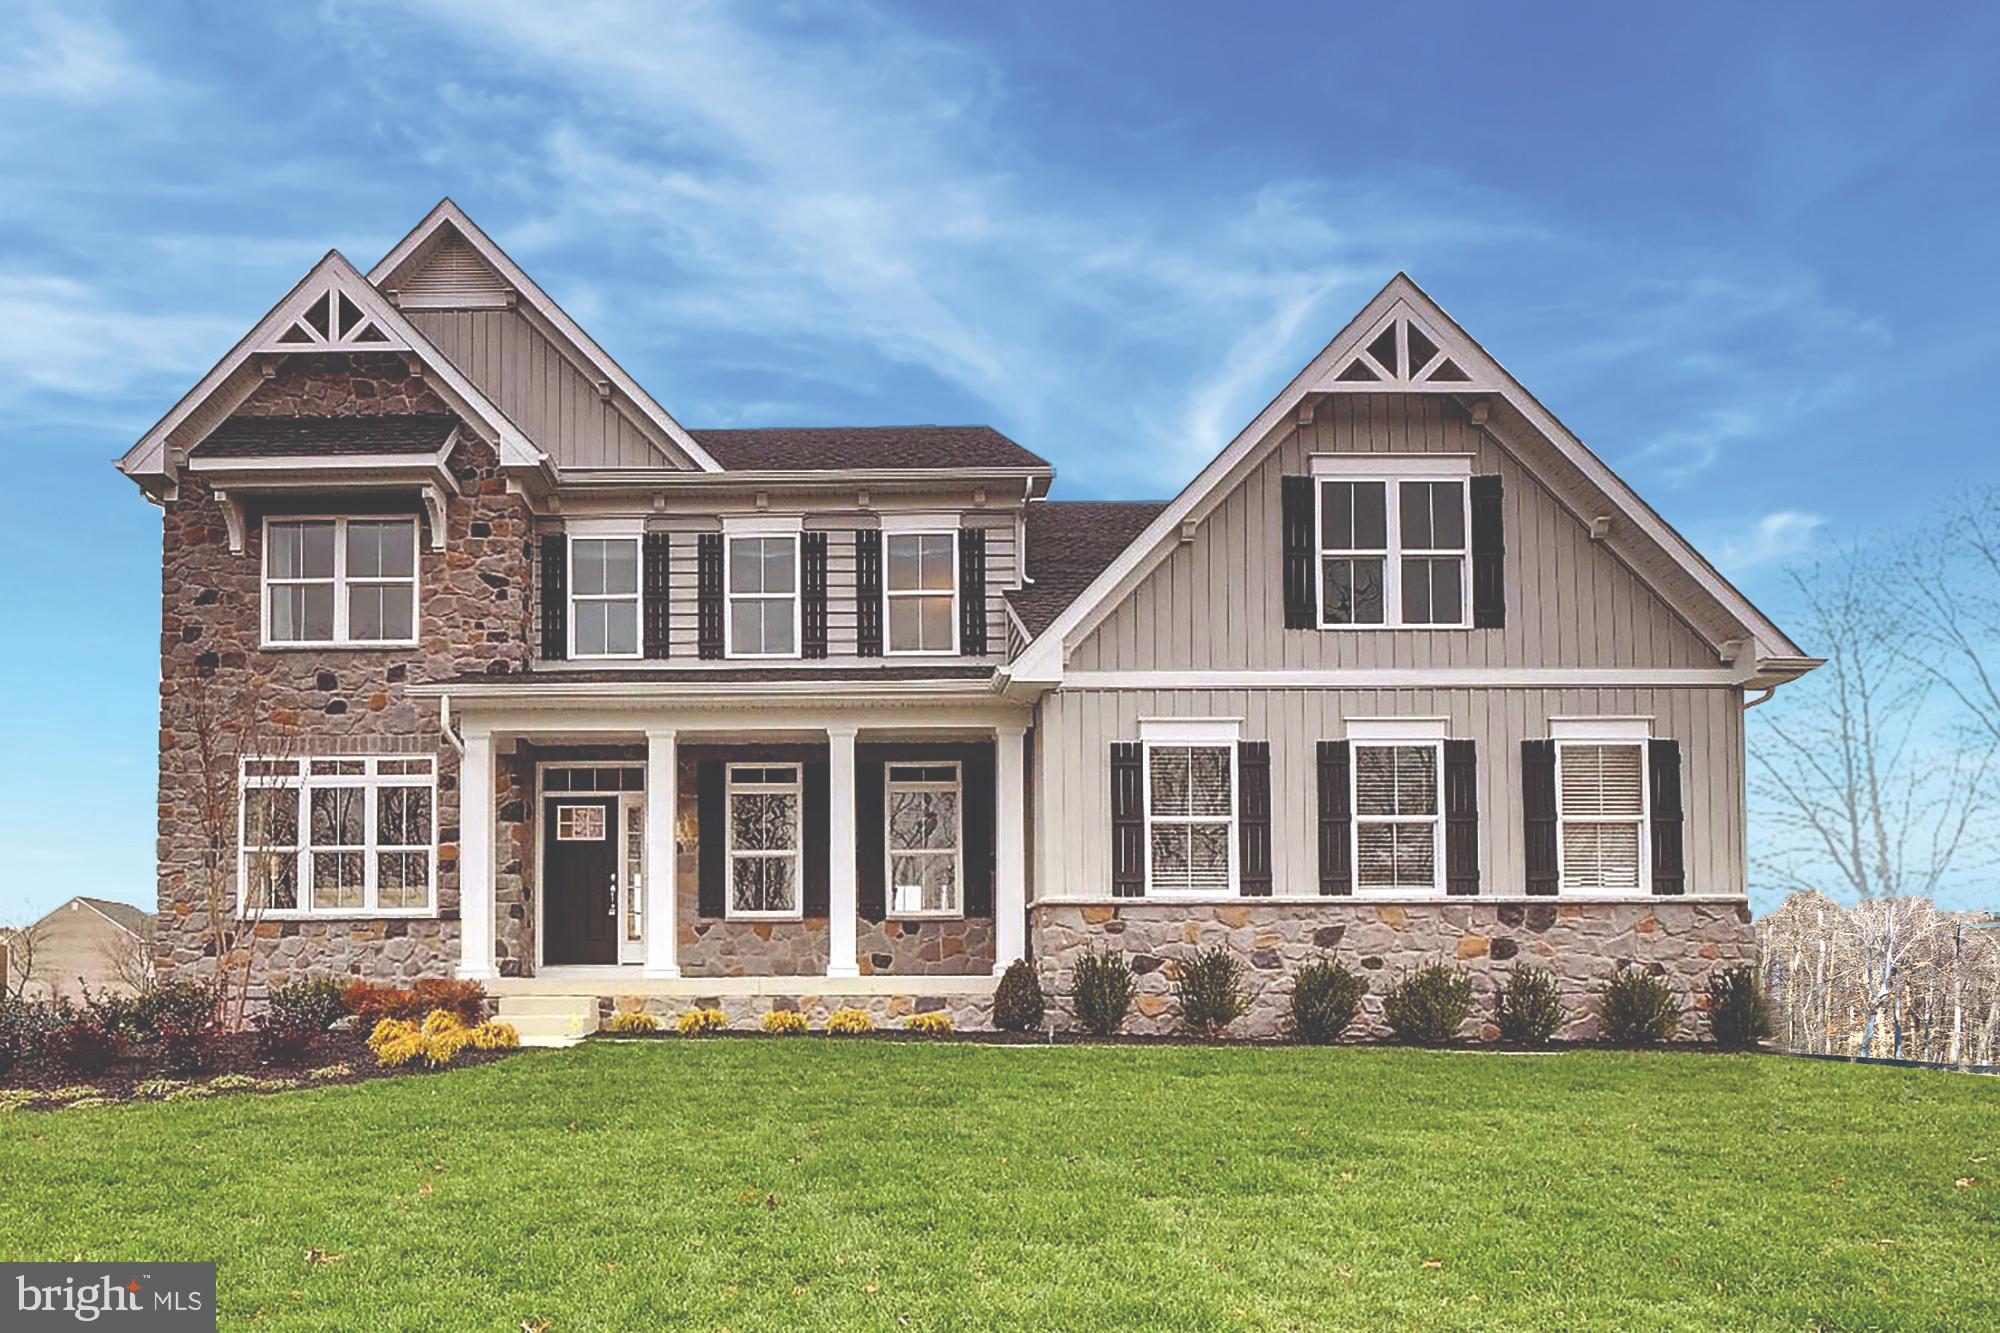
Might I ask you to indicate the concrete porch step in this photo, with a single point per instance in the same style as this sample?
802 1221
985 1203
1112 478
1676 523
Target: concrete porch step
550 1020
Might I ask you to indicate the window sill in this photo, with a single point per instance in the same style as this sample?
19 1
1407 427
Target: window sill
755 918
1377 629
924 916
347 914
343 646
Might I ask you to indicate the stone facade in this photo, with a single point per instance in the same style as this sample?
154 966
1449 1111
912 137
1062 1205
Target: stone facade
216 678
1584 943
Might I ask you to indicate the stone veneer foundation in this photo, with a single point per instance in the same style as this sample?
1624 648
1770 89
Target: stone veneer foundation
1582 942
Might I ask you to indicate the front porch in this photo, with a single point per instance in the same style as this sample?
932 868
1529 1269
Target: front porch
662 847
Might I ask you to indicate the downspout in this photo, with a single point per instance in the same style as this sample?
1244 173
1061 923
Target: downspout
451 735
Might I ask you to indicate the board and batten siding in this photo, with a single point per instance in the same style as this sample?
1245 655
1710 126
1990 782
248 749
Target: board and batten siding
1075 729
542 391
1216 602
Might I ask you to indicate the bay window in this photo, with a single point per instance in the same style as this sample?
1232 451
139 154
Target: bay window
340 582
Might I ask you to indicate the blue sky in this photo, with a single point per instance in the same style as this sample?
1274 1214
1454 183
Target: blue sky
1745 252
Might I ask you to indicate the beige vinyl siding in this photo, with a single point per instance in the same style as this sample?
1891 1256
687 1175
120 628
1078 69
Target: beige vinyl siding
1217 602
1075 730
543 392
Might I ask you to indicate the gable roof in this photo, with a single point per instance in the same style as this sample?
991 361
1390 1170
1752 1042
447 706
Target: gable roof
1069 542
1402 341
291 326
872 448
136 920
447 226
305 437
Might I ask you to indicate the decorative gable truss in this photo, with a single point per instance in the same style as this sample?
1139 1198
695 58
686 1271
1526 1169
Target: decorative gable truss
1405 353
330 320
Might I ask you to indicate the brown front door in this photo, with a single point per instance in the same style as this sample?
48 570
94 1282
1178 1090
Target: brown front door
580 862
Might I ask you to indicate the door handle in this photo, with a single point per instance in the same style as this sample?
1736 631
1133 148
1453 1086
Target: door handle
613 909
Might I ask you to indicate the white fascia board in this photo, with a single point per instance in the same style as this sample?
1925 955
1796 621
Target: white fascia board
450 214
1043 660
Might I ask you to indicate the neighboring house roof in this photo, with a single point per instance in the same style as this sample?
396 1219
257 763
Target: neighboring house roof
865 448
275 437
447 224
1069 542
136 920
1377 352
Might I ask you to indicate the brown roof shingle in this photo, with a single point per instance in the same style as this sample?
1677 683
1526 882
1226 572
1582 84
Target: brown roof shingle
319 437
1070 542
881 448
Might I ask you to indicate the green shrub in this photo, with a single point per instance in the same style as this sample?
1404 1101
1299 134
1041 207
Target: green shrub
1429 1006
1739 1015
1017 1000
182 1016
84 1044
24 1030
1209 991
1102 991
295 1016
1639 1009
1325 999
1528 1010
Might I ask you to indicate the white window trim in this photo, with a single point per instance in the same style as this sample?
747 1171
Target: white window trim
889 787
1365 729
1392 470
798 789
1192 733
1624 733
340 583
730 596
301 780
636 538
889 594
1388 738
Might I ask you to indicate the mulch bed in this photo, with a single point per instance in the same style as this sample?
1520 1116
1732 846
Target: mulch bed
336 1058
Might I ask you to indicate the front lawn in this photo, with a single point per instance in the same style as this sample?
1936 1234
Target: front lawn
758 1184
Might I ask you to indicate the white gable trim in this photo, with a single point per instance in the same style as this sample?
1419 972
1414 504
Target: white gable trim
150 456
450 214
1043 660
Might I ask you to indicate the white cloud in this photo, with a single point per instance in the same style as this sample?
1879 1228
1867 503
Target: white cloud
65 55
1782 535
62 335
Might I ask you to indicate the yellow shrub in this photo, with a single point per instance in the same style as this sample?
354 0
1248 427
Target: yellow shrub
785 1022
632 1023
440 1021
396 1042
442 1046
932 1024
849 1021
697 1021
493 1035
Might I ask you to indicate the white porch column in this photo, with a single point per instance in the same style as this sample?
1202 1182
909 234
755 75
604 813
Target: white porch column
1010 847
475 857
840 942
662 865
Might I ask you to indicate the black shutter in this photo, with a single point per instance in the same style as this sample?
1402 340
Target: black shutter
1253 818
868 593
976 807
812 582
712 823
1461 817
972 592
1538 814
1489 555
1336 821
871 871
1297 498
708 595
818 889
658 550
1128 820
1663 760
555 597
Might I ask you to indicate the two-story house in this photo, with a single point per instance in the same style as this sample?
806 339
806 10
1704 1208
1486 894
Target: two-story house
552 692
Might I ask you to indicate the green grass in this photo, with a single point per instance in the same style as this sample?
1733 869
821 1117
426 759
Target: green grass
753 1185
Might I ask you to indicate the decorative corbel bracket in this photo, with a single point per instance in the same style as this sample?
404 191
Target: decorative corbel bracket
232 518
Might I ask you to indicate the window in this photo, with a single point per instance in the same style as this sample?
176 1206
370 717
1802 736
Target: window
763 596
925 847
921 588
340 581
604 596
635 867
1396 825
1601 812
1190 818
1393 551
338 836
764 841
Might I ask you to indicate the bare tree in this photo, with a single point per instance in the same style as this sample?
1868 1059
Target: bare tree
20 971
129 960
